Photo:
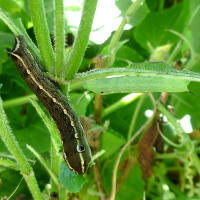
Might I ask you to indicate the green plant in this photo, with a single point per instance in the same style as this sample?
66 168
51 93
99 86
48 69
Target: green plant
159 160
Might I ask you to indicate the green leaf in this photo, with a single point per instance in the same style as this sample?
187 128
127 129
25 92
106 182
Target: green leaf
72 181
120 119
186 103
36 136
28 129
80 101
44 164
126 54
138 16
8 163
111 141
49 124
153 27
153 5
6 42
17 9
12 178
134 184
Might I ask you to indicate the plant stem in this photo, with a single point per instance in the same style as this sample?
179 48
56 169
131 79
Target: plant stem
18 101
81 41
62 193
8 163
171 118
98 105
15 150
192 60
121 103
161 5
60 36
55 144
166 156
135 115
116 37
55 161
44 164
42 33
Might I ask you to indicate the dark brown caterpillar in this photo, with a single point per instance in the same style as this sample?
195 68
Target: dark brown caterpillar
77 152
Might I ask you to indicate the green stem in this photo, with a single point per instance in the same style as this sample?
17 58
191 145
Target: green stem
161 5
81 41
8 163
60 36
116 37
15 150
55 161
192 60
44 164
42 33
62 193
121 103
18 101
55 144
171 118
166 156
135 116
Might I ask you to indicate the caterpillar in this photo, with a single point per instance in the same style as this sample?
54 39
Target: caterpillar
76 150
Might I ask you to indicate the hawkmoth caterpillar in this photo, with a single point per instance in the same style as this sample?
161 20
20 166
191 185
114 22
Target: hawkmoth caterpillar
76 150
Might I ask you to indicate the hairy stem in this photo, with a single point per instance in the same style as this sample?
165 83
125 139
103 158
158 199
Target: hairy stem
15 150
116 37
60 36
42 33
81 41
